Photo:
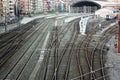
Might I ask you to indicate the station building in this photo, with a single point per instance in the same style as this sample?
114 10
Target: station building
89 6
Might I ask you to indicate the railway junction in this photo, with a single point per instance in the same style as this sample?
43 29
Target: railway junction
71 46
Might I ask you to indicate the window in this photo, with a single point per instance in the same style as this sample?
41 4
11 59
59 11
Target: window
11 12
11 8
10 1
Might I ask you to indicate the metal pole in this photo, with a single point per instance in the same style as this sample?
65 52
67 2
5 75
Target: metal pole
28 6
17 12
119 33
5 21
16 7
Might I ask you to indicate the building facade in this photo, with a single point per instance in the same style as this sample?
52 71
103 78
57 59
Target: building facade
31 6
39 6
2 9
10 8
113 0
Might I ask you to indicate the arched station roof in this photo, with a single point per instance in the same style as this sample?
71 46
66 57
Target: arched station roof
98 4
86 3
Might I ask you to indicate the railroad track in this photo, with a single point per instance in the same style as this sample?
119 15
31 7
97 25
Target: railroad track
11 41
54 59
83 57
67 51
58 61
66 56
94 56
53 46
35 32
97 56
39 39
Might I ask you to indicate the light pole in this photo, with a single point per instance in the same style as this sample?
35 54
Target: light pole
17 11
70 3
5 20
119 33
29 8
28 4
